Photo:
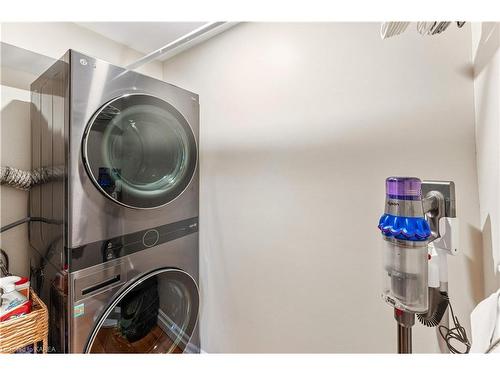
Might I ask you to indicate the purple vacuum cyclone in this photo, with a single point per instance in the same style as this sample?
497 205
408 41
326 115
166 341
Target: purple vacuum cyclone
407 188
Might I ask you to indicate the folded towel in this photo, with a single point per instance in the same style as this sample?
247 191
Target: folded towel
485 325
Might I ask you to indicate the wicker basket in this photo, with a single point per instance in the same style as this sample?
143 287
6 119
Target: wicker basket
29 329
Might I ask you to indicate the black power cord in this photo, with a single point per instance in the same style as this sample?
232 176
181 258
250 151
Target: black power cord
27 220
4 264
457 333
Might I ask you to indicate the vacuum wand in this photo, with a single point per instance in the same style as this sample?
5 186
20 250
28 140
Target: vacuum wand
405 321
404 340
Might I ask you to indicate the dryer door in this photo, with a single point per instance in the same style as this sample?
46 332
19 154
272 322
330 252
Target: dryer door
156 313
139 151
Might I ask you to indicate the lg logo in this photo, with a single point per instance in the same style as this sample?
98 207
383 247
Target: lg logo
84 62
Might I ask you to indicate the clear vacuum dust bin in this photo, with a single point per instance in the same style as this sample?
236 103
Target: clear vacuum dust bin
405 235
405 276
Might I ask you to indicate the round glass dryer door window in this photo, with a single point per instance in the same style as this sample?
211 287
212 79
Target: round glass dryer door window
157 313
139 151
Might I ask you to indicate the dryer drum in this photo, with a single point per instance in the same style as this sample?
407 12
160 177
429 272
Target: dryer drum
140 151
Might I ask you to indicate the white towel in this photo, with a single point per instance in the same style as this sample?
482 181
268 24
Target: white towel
485 324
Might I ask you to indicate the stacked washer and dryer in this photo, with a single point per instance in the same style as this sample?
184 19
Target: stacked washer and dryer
114 230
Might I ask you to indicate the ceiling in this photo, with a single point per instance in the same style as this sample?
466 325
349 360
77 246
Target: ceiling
142 36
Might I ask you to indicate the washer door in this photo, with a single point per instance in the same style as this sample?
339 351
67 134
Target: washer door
156 313
139 151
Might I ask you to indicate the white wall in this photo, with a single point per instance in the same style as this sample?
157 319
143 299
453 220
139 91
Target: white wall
300 125
486 58
44 41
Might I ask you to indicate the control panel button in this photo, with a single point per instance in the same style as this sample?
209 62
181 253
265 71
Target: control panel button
111 250
151 238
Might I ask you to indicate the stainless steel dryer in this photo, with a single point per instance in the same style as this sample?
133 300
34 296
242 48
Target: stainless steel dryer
114 227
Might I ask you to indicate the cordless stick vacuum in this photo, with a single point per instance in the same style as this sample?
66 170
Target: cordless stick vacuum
419 231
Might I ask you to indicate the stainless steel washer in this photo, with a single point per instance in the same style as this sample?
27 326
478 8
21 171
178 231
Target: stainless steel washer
146 302
118 214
